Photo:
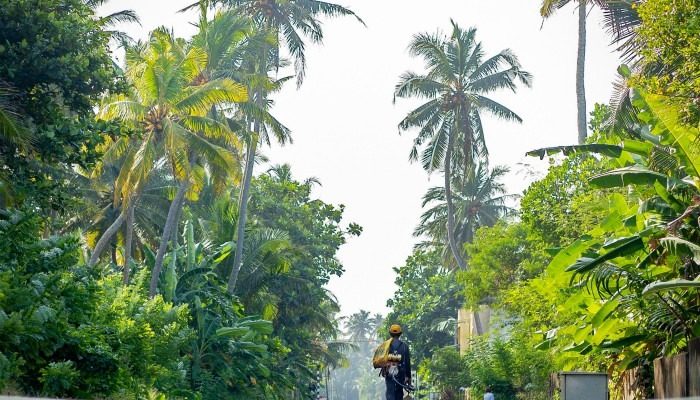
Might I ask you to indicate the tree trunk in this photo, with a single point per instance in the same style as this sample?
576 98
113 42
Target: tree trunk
580 74
106 239
128 239
170 223
113 251
243 209
456 251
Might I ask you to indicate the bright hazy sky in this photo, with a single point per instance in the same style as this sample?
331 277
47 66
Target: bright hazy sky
345 125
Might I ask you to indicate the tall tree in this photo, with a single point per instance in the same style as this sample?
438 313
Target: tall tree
360 326
172 104
480 200
455 86
287 22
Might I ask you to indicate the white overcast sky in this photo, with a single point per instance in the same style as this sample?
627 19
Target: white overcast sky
344 122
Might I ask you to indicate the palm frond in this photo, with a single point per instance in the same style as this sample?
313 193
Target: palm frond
200 99
497 109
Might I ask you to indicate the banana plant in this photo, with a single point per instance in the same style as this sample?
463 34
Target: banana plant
636 276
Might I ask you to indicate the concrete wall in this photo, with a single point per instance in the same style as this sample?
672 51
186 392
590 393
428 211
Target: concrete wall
467 328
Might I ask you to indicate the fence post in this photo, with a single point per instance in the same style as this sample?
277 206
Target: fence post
694 367
671 376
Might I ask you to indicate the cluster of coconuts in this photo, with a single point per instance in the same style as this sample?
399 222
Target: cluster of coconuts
449 100
154 119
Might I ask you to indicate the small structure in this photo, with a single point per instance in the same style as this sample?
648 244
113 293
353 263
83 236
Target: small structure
583 385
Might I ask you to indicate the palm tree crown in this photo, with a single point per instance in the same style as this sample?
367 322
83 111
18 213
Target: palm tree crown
456 86
480 200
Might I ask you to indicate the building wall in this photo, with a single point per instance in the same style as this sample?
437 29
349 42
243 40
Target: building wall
467 328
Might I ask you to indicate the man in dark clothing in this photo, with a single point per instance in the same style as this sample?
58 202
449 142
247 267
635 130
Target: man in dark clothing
402 369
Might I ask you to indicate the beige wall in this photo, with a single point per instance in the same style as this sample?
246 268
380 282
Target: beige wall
466 326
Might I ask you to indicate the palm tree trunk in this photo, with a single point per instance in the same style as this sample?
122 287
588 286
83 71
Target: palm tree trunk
456 252
170 223
128 240
106 239
580 74
243 209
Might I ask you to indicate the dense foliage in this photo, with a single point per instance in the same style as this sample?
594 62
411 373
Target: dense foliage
669 40
120 189
55 63
141 257
598 271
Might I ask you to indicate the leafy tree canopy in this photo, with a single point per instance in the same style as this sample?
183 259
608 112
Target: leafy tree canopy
425 303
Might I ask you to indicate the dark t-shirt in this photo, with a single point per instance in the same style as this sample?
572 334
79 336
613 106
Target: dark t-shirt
399 347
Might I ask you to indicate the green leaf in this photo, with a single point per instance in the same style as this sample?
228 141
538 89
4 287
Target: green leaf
628 176
624 71
260 326
674 244
569 254
638 147
254 347
232 332
623 342
629 246
605 329
682 138
604 312
673 284
604 149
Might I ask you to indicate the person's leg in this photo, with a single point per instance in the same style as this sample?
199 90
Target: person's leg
398 395
391 390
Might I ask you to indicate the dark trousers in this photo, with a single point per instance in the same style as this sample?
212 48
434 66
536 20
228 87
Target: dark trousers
393 390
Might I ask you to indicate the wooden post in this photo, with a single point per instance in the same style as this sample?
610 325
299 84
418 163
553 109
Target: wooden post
694 367
671 376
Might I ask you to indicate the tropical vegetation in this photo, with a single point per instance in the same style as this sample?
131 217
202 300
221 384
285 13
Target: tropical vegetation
142 256
120 188
595 266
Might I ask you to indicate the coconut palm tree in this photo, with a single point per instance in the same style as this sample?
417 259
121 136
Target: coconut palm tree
170 103
290 22
147 212
287 22
480 200
455 88
359 326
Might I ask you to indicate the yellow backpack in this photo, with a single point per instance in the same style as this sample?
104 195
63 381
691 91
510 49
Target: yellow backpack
382 357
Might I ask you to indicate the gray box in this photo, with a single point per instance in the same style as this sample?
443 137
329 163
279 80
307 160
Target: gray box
583 385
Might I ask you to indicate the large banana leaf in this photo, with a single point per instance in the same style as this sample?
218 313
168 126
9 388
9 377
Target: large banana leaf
677 245
628 176
604 149
628 246
234 332
611 150
260 326
671 285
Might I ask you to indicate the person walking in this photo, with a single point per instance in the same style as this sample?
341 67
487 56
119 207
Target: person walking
488 395
397 374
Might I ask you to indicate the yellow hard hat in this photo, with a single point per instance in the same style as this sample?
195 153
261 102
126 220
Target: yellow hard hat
395 329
